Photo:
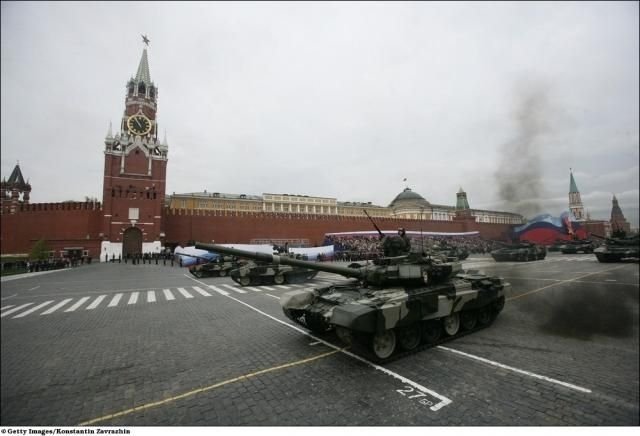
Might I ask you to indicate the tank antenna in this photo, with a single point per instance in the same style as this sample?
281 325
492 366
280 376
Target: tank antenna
421 235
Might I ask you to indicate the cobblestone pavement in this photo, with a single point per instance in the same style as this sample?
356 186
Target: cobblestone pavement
140 345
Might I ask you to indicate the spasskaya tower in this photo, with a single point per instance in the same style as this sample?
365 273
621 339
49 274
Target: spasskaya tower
135 164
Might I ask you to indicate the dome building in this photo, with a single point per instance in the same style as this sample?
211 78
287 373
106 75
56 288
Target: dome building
411 205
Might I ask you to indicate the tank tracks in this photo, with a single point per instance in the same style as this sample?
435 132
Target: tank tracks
362 348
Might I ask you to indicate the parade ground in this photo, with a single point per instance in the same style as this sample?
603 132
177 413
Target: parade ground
114 344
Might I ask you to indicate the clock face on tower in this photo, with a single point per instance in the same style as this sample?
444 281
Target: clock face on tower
139 124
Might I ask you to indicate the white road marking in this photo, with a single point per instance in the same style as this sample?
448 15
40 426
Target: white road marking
201 291
6 298
610 280
115 300
273 296
168 295
184 292
78 303
519 371
282 287
7 307
151 296
251 288
133 299
218 290
56 307
268 288
15 309
33 309
96 302
443 400
235 289
34 288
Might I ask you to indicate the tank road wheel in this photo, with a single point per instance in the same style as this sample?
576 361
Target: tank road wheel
222 272
485 316
278 279
344 335
469 319
384 344
451 324
409 337
245 280
431 332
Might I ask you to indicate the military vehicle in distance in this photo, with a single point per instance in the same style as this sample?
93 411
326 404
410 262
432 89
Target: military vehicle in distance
574 246
217 268
556 246
266 273
403 301
618 249
519 252
454 253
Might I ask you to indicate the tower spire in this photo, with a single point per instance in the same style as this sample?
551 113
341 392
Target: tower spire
572 183
575 202
110 132
143 74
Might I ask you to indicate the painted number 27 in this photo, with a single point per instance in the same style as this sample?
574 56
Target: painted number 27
411 393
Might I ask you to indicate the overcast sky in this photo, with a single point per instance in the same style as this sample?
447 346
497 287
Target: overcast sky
340 100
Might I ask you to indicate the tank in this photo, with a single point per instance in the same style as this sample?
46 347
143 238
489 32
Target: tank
454 253
556 245
519 252
576 246
266 273
400 304
216 268
619 249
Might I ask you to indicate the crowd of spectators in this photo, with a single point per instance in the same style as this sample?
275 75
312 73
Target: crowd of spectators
368 247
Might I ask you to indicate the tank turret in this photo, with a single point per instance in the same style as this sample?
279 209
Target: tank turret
397 305
577 245
412 269
523 251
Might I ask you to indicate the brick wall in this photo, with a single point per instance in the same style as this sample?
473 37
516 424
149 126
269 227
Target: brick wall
182 226
59 224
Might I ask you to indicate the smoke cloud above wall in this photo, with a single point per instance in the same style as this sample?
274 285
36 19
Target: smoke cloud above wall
519 175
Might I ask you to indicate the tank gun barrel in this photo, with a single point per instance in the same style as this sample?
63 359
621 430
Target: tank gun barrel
284 260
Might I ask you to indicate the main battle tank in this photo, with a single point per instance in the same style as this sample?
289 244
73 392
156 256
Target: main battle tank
520 252
216 268
453 253
401 302
618 249
266 273
575 246
556 246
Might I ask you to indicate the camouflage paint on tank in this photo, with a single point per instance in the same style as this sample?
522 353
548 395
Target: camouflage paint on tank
404 294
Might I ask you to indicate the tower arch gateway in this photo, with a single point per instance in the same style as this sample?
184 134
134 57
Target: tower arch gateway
132 242
135 163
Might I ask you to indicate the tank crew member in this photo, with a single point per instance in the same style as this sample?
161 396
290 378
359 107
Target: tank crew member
403 234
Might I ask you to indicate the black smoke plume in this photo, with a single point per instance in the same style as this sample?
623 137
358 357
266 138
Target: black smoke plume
519 176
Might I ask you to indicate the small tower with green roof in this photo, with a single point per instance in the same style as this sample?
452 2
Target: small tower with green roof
461 201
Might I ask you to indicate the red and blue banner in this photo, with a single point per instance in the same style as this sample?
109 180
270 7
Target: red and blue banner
546 229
